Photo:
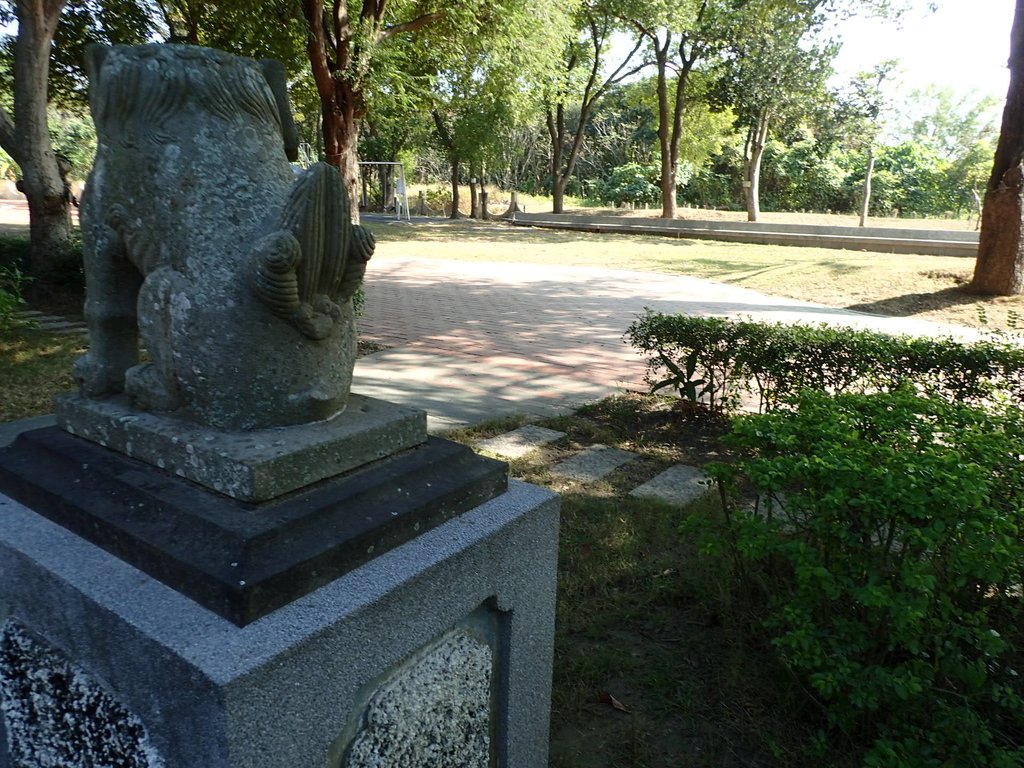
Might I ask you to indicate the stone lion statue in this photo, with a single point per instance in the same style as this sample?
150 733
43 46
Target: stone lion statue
199 237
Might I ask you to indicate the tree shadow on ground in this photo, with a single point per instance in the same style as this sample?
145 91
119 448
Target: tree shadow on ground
917 303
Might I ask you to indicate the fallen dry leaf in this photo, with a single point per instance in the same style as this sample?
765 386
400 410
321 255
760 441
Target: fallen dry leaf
607 698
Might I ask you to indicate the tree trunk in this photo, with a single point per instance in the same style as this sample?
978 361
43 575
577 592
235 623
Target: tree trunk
556 133
668 175
670 116
999 269
455 190
341 105
557 195
485 212
755 151
341 141
513 206
866 202
474 201
50 221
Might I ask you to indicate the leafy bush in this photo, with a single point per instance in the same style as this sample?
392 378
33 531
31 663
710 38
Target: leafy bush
14 251
438 199
632 183
707 188
891 561
11 281
65 268
717 361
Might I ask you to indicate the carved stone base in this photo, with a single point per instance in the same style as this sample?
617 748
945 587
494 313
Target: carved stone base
250 466
238 559
444 642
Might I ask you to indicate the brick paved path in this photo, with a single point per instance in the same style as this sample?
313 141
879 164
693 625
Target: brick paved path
471 340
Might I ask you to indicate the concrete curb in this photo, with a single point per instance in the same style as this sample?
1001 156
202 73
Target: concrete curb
875 239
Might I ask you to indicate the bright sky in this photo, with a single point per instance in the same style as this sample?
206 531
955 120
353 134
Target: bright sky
963 43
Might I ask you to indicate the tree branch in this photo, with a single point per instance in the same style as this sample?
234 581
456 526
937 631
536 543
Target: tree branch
443 133
318 59
373 11
410 26
621 73
339 23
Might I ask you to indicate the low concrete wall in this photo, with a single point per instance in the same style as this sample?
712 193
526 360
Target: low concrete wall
877 239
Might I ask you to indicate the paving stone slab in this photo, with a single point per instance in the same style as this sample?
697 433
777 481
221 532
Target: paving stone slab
680 484
593 463
519 442
59 325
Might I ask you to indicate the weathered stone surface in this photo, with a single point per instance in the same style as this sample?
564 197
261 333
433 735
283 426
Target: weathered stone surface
251 466
57 716
594 463
197 237
243 560
519 442
680 484
434 710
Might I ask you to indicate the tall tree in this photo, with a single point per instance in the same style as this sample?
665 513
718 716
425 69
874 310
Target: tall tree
856 120
343 46
677 47
680 34
41 64
775 76
493 85
25 135
581 80
999 269
346 42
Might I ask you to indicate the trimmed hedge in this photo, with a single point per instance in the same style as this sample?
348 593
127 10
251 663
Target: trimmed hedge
717 361
883 554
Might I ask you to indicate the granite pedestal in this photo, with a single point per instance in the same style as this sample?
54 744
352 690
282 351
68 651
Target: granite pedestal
437 652
305 685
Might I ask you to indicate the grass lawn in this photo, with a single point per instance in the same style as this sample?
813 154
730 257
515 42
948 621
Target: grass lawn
34 366
930 287
650 672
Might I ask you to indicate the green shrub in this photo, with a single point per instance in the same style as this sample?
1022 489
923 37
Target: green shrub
64 268
14 251
891 560
632 183
717 361
11 281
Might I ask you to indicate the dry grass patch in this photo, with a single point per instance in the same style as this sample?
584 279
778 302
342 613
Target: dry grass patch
34 366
